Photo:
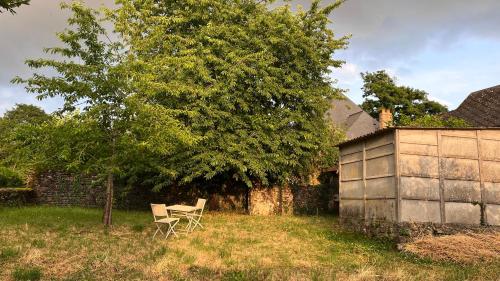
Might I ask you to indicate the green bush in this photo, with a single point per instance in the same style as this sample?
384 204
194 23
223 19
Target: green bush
10 178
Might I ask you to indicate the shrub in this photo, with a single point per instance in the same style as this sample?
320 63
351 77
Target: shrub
10 178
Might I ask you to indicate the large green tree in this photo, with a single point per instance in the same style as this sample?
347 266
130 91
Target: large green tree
9 5
380 91
103 127
253 77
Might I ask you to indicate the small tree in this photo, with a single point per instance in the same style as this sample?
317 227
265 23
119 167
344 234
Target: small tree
9 5
380 91
103 127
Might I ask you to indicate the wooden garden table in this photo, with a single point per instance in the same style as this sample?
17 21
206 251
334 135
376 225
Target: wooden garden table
183 211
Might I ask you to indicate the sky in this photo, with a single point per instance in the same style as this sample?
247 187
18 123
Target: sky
449 48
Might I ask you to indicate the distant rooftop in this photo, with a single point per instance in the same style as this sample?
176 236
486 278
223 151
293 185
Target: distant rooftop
481 108
345 114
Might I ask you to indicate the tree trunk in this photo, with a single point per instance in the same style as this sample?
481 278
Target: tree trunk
106 219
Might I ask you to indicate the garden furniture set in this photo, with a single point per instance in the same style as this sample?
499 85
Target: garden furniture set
169 216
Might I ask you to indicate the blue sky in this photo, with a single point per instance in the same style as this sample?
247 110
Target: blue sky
448 48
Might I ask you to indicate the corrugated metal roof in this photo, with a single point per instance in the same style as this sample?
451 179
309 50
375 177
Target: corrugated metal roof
385 130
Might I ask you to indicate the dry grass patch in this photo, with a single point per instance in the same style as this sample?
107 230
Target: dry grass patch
70 244
461 248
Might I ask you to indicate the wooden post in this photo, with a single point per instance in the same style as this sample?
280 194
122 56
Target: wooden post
364 181
484 218
441 179
397 176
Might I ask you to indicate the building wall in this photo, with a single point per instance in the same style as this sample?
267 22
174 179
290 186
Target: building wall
367 179
449 176
415 179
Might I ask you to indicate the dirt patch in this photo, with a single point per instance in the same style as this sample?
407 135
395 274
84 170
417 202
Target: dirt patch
468 248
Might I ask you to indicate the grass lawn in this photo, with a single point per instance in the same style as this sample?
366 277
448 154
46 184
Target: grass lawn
50 243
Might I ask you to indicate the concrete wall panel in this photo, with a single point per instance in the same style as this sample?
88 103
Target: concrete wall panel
419 188
352 189
358 156
490 134
420 211
352 171
491 171
463 213
462 191
352 148
380 140
420 149
351 208
459 133
493 214
381 150
490 150
418 136
459 147
380 166
466 169
381 210
416 165
492 192
381 188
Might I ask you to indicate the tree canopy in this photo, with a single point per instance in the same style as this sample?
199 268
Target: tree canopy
253 78
9 5
380 90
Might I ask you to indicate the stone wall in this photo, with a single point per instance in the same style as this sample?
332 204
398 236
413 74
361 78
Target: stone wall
315 199
65 189
270 200
287 200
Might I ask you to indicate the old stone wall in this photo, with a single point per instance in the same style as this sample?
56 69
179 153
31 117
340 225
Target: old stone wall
66 189
287 200
270 200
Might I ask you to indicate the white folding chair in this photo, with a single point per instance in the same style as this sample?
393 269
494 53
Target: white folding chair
198 213
161 217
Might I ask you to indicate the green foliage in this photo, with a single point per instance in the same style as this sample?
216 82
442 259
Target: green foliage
248 79
27 274
380 90
9 5
14 125
430 121
10 178
102 127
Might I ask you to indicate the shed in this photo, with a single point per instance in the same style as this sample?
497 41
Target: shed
421 175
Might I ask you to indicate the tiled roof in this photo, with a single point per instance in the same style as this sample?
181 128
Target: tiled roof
481 108
346 114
